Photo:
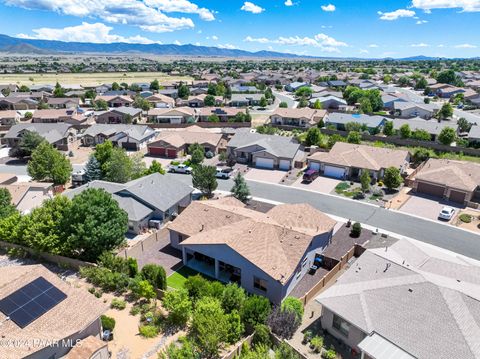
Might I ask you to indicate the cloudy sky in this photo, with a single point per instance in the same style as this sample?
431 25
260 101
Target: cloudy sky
359 28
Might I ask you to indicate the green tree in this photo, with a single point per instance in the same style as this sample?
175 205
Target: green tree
209 100
449 77
354 137
183 91
447 136
445 112
155 167
139 168
28 115
154 85
255 311
235 327
304 91
100 105
115 86
95 224
317 105
283 104
420 155
392 178
233 297
365 105
421 135
6 206
197 157
141 288
388 128
464 125
141 103
24 88
405 131
204 179
263 102
155 275
294 305
58 91
119 167
49 164
209 327
365 180
28 143
103 153
421 84
240 189
313 137
213 118
93 171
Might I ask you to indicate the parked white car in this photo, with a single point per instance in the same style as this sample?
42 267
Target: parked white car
446 213
224 173
181 168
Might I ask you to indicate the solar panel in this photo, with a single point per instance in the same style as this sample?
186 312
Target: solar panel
31 301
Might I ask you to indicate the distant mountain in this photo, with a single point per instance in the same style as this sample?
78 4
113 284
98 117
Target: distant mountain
419 58
25 49
7 43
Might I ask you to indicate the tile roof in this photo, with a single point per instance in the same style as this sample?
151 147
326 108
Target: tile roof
274 241
70 316
455 174
361 156
404 292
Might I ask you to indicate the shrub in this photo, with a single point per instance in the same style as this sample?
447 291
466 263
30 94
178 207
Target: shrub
233 297
293 305
316 343
155 275
262 335
465 218
285 351
356 230
118 304
108 323
179 307
255 311
307 336
148 331
135 310
329 354
283 323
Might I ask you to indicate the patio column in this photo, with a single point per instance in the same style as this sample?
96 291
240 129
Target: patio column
184 255
217 268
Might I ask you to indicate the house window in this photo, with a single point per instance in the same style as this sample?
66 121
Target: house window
304 262
297 276
341 325
260 284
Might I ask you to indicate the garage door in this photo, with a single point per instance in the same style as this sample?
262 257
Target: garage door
264 162
431 189
314 166
335 172
156 151
171 153
457 196
284 165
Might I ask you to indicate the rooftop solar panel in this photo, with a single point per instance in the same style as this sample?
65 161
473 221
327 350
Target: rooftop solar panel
31 301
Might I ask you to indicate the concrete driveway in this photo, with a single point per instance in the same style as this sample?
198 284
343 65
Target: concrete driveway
4 152
321 184
426 206
271 176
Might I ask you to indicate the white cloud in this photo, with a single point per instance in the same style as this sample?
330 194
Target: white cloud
251 7
465 46
227 46
328 8
465 5
421 22
373 46
215 38
441 45
176 42
321 41
421 44
326 27
86 32
149 15
363 51
288 3
395 15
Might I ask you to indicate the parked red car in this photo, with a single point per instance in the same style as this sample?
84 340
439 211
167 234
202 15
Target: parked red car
310 176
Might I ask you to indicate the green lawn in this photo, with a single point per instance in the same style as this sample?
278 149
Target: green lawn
177 279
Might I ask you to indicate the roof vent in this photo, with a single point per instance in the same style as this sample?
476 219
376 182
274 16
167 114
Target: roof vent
203 227
386 267
297 236
410 290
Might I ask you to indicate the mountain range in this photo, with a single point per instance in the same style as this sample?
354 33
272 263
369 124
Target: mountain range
13 45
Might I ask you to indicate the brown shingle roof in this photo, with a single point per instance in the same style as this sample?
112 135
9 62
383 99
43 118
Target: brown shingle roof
179 138
454 174
70 316
361 156
274 241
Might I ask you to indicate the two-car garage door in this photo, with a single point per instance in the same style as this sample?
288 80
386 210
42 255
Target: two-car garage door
335 172
431 189
262 162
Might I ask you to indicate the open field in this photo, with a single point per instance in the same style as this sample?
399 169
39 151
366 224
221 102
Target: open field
89 79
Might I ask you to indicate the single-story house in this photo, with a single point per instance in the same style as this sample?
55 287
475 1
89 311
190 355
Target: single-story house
119 115
339 120
60 135
414 109
433 127
266 253
264 151
9 87
297 117
197 101
130 137
406 300
337 83
29 195
474 134
59 102
171 115
294 86
245 100
243 89
348 160
151 198
116 100
45 313
53 116
173 144
458 181
329 102
225 114
389 101
173 93
194 91
17 103
9 117
161 101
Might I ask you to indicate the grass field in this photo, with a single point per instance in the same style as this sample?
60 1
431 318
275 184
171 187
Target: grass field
177 279
89 79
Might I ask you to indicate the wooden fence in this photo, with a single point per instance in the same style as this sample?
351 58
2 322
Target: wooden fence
48 257
237 349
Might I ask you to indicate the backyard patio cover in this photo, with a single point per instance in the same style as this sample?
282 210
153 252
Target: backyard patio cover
378 347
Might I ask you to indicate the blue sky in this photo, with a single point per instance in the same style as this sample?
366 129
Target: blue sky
368 28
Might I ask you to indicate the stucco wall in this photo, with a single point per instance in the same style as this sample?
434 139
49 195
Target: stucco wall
355 335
